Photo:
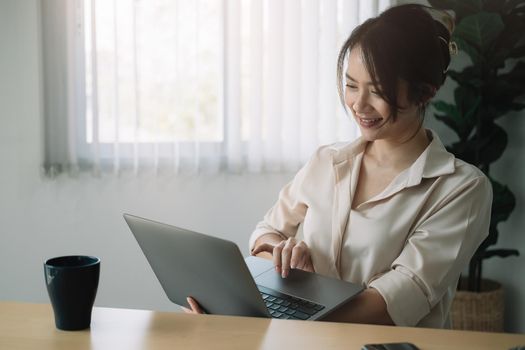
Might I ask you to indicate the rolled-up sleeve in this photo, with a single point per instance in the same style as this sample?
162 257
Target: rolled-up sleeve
436 253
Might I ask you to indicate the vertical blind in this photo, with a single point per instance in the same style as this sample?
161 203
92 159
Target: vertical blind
174 86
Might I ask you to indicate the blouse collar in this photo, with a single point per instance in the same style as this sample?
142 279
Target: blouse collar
435 160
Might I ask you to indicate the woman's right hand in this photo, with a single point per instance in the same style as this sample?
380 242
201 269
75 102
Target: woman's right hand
287 254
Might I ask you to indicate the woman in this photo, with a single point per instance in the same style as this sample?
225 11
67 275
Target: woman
393 211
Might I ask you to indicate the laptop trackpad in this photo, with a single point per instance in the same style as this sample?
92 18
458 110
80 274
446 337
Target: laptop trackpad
298 283
258 265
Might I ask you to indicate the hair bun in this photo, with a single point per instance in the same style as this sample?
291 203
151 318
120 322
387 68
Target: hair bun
443 17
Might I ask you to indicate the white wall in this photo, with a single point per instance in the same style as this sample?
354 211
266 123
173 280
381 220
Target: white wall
41 218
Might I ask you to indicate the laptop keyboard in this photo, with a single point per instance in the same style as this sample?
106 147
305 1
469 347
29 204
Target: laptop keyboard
290 308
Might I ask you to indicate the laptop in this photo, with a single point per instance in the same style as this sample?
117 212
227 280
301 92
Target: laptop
214 272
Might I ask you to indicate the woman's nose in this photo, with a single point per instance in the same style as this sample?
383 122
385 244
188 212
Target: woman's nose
360 104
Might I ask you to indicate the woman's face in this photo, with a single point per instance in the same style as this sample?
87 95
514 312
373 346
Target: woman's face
370 111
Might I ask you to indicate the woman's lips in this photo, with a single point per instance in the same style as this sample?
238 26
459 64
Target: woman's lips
369 122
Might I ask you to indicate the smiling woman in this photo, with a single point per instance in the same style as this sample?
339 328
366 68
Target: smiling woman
393 211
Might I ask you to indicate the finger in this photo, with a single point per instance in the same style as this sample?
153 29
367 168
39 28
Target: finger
286 256
277 256
298 254
186 310
264 247
195 307
309 266
302 262
304 258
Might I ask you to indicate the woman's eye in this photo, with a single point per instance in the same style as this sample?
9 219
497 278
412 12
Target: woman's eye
351 86
375 92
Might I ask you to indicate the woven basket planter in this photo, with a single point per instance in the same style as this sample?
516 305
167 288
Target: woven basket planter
481 311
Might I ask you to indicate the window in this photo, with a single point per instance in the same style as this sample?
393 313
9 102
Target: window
189 86
158 67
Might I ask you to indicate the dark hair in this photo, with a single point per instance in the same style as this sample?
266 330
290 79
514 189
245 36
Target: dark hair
404 42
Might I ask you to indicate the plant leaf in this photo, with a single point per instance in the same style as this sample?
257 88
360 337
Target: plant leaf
470 50
503 203
460 8
451 116
480 29
502 253
481 151
446 108
513 5
494 5
502 6
463 151
517 106
513 35
501 93
470 76
461 116
498 98
518 52
467 102
516 75
492 144
491 239
447 121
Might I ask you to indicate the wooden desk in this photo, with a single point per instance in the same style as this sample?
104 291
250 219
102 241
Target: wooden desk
31 326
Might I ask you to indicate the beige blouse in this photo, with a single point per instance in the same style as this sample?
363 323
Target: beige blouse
410 242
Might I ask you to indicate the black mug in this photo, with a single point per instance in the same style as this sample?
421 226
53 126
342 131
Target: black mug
72 283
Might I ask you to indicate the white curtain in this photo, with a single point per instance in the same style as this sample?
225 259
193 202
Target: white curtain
175 86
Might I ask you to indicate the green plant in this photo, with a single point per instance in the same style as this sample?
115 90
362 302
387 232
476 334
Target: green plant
492 34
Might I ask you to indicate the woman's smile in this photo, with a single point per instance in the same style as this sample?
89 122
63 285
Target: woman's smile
368 122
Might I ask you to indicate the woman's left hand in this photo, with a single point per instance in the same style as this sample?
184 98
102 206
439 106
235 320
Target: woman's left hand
195 307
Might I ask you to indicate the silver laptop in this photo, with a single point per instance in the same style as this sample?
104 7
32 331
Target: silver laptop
213 271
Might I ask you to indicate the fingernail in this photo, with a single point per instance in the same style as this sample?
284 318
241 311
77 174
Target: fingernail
284 274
